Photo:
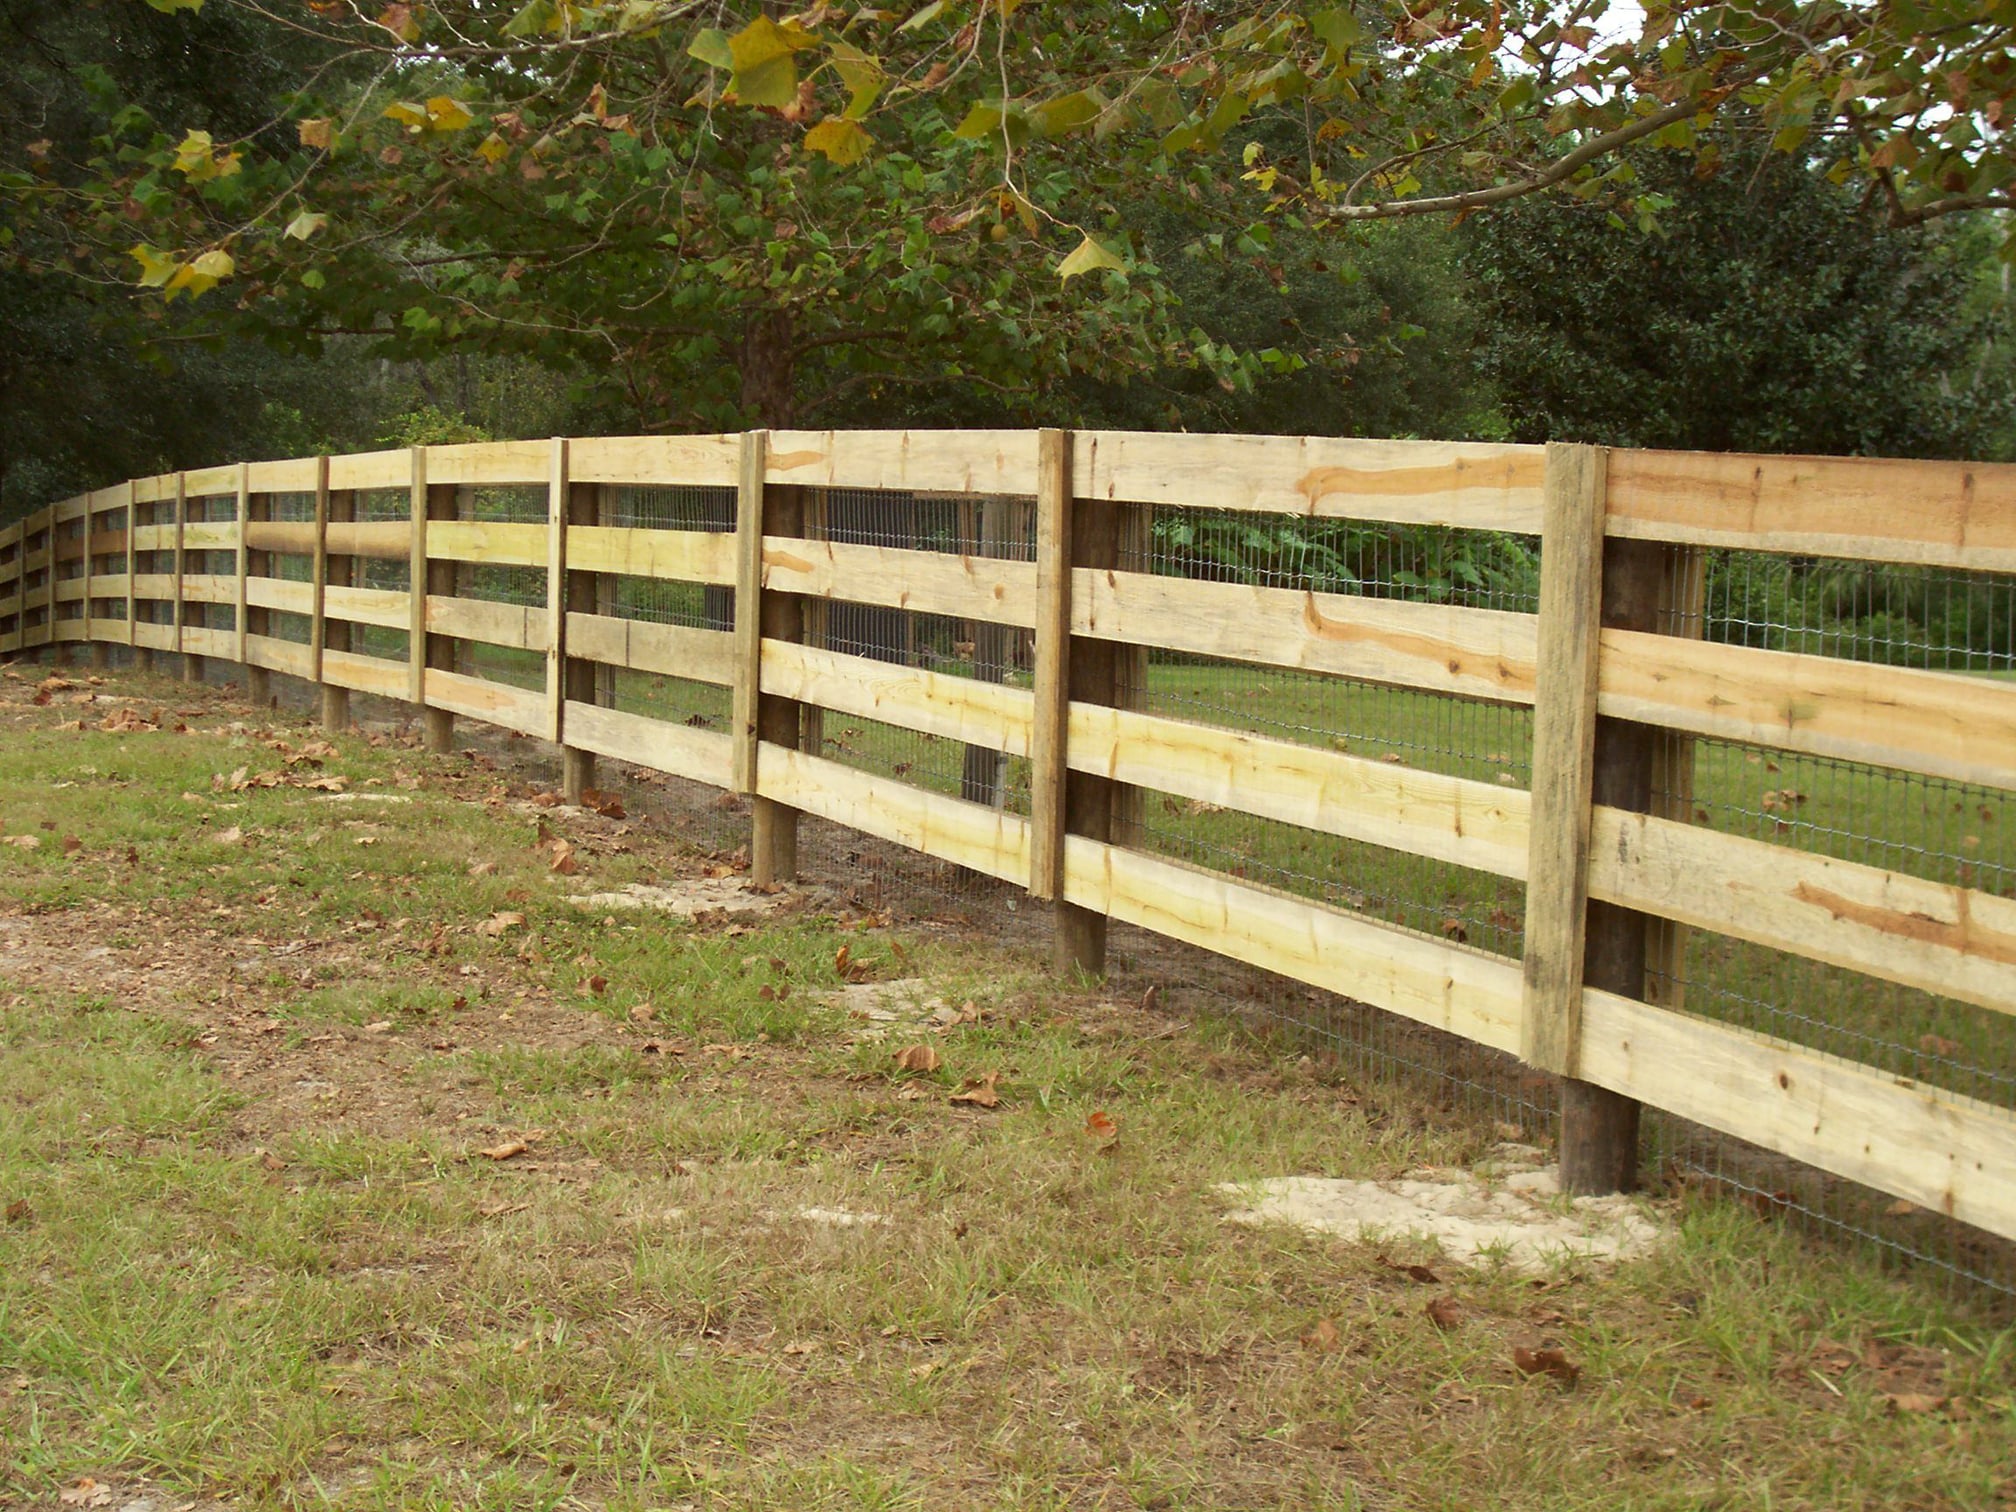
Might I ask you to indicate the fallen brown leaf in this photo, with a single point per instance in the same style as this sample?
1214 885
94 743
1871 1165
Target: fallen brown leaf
1443 1312
1324 1338
598 985
497 923
1419 1273
1103 1127
979 1092
1914 1401
22 842
917 1058
18 1211
1551 1362
85 1492
506 1150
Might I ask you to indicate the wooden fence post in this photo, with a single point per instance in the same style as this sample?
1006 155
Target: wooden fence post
241 564
442 503
1048 735
192 665
557 510
338 570
1681 607
761 511
132 567
583 679
258 618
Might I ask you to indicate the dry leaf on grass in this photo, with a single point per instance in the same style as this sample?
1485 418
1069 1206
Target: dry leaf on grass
497 923
1914 1401
85 1492
1103 1127
598 985
917 1058
1550 1362
22 842
18 1211
229 836
1324 1338
979 1092
1443 1312
506 1150
1419 1273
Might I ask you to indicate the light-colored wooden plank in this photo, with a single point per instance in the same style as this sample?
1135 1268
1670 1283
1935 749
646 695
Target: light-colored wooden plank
973 835
1479 486
155 490
1480 653
496 463
295 475
242 563
154 538
210 535
379 469
1940 1150
70 590
964 709
112 630
295 658
697 755
73 508
211 482
520 709
1049 728
154 637
283 537
748 682
1475 824
416 576
1945 724
1450 987
656 461
318 576
928 582
106 585
971 462
384 540
643 646
209 588
555 626
364 674
484 542
1564 758
201 640
284 594
386 607
1953 941
695 556
1940 514
521 626
157 587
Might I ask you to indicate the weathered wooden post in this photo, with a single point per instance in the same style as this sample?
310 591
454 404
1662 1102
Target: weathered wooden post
192 664
330 506
761 511
436 578
583 595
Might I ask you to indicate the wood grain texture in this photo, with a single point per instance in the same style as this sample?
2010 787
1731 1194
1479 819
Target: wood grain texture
1945 724
371 470
275 655
973 835
971 462
284 594
1953 941
991 715
697 755
295 475
1451 987
243 560
555 615
386 607
645 646
693 556
1945 1152
484 542
499 464
1479 486
520 709
663 461
748 679
1564 758
364 674
1939 514
416 575
927 582
519 626
1050 730
211 482
1480 653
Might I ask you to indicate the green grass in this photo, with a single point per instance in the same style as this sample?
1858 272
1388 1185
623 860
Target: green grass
270 1267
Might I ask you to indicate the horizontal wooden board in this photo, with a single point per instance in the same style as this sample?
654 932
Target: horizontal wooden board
1451 987
1475 824
105 543
973 462
114 496
69 509
694 556
379 469
109 630
287 537
70 590
295 475
498 463
1942 1151
670 650
280 593
928 582
153 538
520 709
655 461
1480 653
973 835
153 637
208 589
517 625
154 490
365 674
1942 723
210 535
384 540
211 482
1941 514
291 657
655 744
486 542
955 708
200 640
385 607
1475 485
1953 941
153 585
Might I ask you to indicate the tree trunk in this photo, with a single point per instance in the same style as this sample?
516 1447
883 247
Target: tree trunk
769 370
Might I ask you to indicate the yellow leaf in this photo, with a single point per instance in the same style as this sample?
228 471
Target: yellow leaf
861 73
306 224
200 159
319 133
414 116
493 149
156 266
202 275
1089 257
444 114
845 141
766 68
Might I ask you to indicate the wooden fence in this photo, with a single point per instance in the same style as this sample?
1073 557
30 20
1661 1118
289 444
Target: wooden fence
1613 868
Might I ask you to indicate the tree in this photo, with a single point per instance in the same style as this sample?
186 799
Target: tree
1771 312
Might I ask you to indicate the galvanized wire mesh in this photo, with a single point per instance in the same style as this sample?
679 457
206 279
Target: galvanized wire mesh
660 601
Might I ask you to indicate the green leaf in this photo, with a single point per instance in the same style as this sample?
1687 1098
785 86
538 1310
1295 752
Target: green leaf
711 47
843 140
305 225
861 73
985 123
199 158
156 266
1089 257
538 18
1065 113
1336 29
765 61
169 7
923 17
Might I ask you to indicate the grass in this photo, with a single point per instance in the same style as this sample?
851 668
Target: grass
258 1257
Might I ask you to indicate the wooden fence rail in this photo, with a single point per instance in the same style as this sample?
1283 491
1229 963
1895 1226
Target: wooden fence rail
280 567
